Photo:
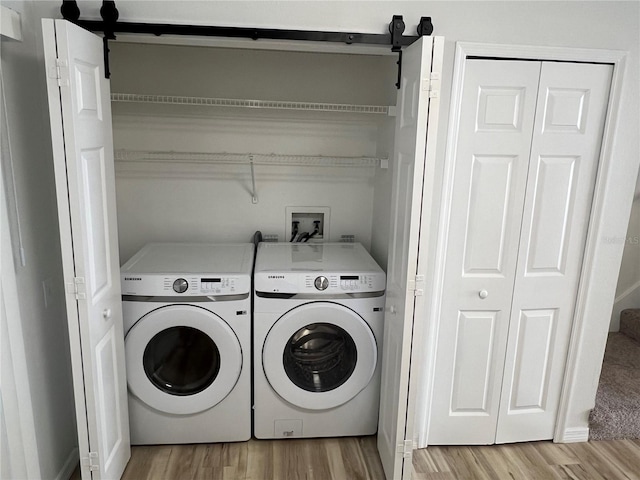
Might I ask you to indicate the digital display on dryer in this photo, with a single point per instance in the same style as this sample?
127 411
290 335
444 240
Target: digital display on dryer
211 280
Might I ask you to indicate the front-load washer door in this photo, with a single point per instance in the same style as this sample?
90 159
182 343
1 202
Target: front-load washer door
319 355
182 359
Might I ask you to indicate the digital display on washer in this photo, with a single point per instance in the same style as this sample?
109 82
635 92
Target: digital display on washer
349 277
211 280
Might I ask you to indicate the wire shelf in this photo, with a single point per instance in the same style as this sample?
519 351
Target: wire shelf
224 158
258 104
124 157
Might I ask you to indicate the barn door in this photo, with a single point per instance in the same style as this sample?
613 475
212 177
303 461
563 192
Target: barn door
80 111
415 115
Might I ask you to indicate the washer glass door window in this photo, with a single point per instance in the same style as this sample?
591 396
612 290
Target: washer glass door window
182 359
319 355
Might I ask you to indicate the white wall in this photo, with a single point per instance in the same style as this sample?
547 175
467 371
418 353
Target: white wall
32 208
195 202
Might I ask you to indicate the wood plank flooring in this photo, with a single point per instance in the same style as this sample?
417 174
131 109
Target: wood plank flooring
353 458
601 460
310 459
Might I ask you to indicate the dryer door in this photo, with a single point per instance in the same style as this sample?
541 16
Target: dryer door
182 359
319 355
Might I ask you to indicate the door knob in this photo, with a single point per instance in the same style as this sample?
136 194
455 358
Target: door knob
106 313
483 294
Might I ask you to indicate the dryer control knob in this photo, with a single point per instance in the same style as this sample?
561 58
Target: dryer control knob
321 283
180 285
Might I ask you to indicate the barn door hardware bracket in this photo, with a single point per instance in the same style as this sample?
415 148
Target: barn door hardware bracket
110 26
109 14
399 63
396 29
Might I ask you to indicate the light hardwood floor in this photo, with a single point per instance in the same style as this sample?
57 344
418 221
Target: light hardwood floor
311 459
603 460
356 459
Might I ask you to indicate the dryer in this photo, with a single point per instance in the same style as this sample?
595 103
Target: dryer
318 326
187 321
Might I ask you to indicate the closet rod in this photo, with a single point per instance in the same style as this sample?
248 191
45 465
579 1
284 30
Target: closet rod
125 155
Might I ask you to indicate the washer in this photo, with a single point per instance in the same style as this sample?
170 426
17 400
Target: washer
187 322
318 326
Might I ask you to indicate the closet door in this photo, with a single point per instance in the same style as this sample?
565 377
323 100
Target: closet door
415 124
80 112
492 158
570 116
518 224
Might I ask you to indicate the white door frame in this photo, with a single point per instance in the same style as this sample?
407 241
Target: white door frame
597 281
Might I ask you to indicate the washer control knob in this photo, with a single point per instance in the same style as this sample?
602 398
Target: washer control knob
321 283
180 285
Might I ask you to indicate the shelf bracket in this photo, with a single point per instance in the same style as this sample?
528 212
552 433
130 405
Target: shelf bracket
254 196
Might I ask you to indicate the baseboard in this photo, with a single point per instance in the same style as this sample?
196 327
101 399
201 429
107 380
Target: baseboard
574 435
630 298
73 460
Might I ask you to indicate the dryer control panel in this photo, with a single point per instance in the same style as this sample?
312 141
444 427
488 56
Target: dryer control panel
320 283
185 285
345 283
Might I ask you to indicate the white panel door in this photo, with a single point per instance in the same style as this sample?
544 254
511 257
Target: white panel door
571 110
80 111
412 123
492 159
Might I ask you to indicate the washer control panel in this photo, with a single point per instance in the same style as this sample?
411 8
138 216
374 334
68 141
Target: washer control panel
218 285
202 285
185 285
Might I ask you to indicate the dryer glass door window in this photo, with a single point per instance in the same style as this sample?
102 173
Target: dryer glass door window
320 357
181 360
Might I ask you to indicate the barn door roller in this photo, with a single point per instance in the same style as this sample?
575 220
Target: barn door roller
110 26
